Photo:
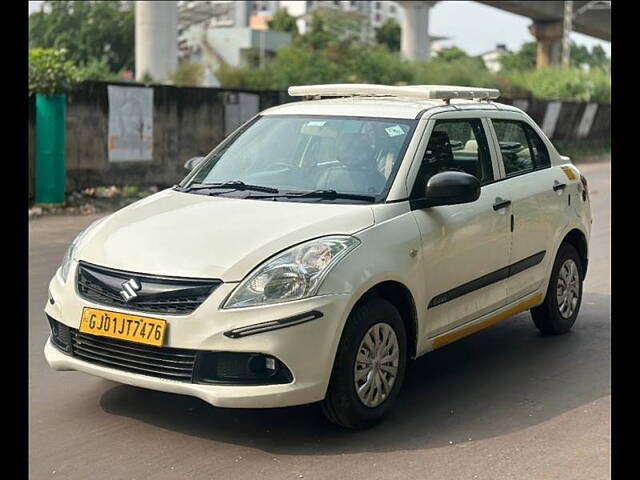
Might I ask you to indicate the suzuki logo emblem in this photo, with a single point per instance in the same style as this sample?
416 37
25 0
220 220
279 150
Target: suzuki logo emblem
129 289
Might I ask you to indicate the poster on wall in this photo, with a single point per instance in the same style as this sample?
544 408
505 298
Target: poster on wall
130 123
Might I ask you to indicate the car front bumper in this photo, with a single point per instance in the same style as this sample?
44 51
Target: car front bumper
307 349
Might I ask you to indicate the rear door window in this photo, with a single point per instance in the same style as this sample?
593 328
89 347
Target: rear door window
522 148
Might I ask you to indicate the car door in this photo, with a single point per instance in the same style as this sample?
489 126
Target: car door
537 196
465 248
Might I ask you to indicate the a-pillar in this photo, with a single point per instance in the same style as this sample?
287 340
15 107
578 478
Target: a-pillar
549 37
415 42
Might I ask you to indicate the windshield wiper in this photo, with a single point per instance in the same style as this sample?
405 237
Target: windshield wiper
232 184
328 194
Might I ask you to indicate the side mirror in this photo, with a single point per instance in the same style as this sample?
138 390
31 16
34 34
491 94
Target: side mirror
451 188
193 162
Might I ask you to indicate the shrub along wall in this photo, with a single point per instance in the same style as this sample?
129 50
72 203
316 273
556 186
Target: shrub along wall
190 121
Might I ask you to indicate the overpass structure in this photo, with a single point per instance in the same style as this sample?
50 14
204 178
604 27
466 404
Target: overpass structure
591 18
157 24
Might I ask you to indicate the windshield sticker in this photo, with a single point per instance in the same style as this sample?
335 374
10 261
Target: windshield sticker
316 123
394 131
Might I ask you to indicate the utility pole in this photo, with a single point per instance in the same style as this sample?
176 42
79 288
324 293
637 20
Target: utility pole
566 32
567 26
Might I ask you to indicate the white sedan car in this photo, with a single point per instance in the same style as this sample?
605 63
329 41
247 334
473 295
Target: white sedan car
321 246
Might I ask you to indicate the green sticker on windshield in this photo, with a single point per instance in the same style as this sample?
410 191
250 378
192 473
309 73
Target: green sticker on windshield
394 131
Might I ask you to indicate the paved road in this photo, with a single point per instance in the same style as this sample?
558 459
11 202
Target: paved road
503 403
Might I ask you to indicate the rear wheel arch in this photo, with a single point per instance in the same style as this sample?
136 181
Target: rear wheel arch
578 240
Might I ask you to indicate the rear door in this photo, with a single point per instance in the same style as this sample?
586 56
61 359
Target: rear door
538 200
465 248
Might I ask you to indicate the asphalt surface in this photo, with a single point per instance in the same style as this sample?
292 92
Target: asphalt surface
503 403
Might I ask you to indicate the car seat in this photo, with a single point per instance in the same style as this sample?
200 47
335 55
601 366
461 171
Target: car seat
357 171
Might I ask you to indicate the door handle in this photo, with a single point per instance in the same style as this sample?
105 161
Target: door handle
501 204
559 186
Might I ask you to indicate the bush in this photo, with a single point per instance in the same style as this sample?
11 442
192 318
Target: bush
316 58
563 84
98 70
463 71
188 74
50 72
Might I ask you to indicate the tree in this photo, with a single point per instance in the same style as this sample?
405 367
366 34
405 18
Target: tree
523 59
51 72
596 58
283 22
389 34
451 54
88 31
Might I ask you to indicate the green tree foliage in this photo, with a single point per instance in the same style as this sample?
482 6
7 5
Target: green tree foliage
525 58
98 70
389 34
188 74
51 72
90 31
596 58
451 54
332 53
343 26
283 22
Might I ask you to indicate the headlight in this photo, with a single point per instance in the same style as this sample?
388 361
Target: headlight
69 255
294 274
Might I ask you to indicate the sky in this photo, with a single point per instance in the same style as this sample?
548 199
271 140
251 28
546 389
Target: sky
478 28
475 28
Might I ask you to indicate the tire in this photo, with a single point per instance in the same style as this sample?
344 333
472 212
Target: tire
554 317
342 404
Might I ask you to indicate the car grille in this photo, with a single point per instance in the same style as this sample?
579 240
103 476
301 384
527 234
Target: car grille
170 363
179 364
157 294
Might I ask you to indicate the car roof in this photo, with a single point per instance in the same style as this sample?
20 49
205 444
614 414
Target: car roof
380 107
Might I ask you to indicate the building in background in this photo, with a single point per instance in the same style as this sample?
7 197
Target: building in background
491 58
236 33
215 33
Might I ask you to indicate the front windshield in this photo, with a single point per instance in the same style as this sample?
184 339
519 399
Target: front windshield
352 155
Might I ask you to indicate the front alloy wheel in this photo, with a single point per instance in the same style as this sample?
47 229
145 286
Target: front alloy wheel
369 366
376 366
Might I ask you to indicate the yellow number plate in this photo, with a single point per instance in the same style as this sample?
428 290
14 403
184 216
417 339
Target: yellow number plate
123 326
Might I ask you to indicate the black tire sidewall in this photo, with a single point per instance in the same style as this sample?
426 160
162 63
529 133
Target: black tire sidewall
554 321
351 412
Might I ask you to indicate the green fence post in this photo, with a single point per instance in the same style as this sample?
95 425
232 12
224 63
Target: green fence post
50 128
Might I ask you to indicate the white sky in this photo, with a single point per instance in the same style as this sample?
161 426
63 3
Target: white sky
474 27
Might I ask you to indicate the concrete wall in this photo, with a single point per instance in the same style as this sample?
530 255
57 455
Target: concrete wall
569 121
191 121
187 122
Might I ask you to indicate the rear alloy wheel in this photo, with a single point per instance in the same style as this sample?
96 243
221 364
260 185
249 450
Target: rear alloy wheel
369 366
564 294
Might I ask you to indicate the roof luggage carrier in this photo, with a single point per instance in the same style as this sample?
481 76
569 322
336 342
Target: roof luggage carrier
423 92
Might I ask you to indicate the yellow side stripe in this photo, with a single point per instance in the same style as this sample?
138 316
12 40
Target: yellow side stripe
458 334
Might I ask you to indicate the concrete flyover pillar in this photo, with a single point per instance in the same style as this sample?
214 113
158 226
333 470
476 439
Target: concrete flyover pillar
549 37
156 39
415 42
